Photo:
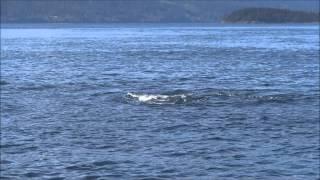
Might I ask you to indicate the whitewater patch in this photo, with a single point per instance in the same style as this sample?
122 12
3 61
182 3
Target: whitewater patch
159 98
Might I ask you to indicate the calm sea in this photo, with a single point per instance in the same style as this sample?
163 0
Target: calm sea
169 101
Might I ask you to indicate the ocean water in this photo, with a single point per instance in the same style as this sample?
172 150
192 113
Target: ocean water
166 101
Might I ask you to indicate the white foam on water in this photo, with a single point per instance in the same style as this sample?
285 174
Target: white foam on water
158 98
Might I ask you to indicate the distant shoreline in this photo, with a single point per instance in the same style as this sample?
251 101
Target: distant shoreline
4 25
271 15
137 11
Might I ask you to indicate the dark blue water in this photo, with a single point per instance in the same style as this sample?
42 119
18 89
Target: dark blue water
160 102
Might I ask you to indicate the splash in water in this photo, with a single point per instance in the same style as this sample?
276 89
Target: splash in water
159 98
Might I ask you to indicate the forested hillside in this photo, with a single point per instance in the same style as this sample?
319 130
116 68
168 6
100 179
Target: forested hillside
271 15
102 11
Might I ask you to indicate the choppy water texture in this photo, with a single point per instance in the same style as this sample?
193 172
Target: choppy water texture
160 102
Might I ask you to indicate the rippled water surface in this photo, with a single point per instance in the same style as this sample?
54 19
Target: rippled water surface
160 102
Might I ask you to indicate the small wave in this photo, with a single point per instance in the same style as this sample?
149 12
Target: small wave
160 98
260 96
2 82
38 87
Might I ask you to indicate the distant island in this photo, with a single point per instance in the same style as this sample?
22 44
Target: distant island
271 15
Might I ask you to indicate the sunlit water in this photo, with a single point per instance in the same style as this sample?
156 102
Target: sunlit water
160 101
